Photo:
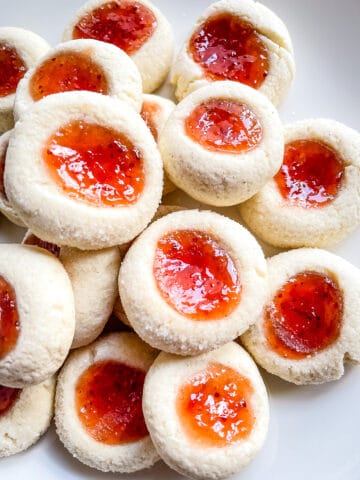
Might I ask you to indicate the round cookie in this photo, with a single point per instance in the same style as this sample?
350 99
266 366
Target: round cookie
203 282
136 26
222 143
310 324
81 65
98 412
213 406
238 40
83 170
314 200
24 416
37 315
20 51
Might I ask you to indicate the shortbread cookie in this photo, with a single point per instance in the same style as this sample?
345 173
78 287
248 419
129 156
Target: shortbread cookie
207 415
135 26
310 324
24 415
83 170
37 317
81 65
314 200
203 282
222 143
238 40
98 410
20 49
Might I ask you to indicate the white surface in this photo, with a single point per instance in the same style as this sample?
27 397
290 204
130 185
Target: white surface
314 431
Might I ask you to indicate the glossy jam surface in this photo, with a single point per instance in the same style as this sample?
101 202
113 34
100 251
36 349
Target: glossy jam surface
229 48
108 402
67 71
214 406
224 126
2 172
95 164
36 241
311 174
12 69
126 24
148 112
196 275
8 397
305 315
9 318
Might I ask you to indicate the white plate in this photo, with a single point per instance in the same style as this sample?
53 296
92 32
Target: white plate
314 431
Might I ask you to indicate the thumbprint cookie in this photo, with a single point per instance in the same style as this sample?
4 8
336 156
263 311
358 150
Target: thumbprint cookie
203 282
83 170
237 40
98 409
37 317
207 415
135 26
310 323
314 199
222 143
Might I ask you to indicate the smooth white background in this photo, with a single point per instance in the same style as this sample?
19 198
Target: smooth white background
314 431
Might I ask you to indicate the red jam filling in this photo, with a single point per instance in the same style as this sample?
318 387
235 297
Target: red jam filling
224 126
9 318
2 172
311 174
66 72
149 111
215 406
126 24
8 397
108 402
95 164
36 241
305 316
12 69
196 275
229 48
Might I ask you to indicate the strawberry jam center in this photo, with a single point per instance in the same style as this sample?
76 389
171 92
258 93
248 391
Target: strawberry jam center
214 406
224 126
94 163
196 275
66 72
8 397
12 69
2 173
229 48
108 402
9 318
126 24
311 174
305 315
149 111
37 242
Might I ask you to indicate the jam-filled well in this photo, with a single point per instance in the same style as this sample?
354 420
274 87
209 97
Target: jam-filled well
9 318
148 112
196 275
32 239
95 164
127 24
12 69
224 126
305 315
2 173
311 174
214 406
109 402
229 48
8 398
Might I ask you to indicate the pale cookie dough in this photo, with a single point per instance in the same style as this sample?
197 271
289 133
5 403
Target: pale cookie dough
163 382
51 213
156 321
221 178
118 71
126 348
284 224
325 365
188 76
45 305
30 47
154 57
29 417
